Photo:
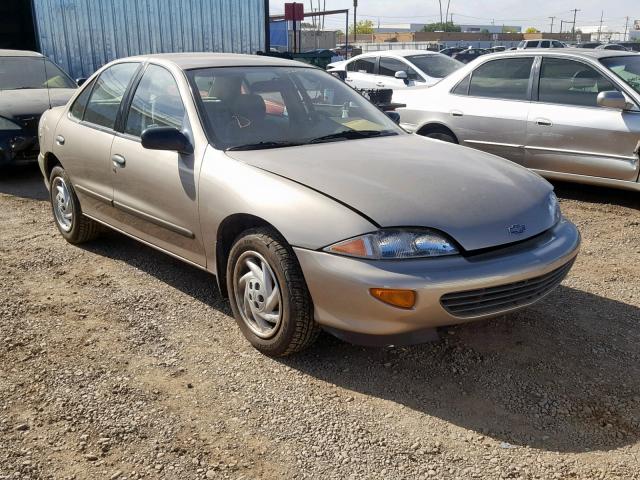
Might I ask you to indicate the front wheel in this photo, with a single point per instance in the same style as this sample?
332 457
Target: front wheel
67 213
268 294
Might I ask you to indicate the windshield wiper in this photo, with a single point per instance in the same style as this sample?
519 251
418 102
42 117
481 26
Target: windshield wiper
352 135
263 146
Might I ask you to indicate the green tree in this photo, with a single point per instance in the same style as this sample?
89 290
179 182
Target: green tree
484 30
362 27
441 27
532 30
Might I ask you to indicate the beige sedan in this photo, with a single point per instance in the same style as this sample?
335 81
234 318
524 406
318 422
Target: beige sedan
312 208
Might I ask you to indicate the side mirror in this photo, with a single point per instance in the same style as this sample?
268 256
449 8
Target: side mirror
395 116
166 138
80 81
340 74
401 74
612 99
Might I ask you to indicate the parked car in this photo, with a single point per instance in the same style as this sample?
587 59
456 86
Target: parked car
395 68
567 114
29 85
497 48
612 46
302 218
469 54
631 46
449 51
588 45
542 43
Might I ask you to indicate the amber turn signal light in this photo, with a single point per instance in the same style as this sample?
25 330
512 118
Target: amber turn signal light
397 298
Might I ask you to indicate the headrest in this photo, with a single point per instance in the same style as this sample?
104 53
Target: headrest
251 106
585 79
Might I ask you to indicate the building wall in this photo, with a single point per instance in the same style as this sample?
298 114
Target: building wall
83 35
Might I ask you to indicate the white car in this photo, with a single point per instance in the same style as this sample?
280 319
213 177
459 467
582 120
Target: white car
396 68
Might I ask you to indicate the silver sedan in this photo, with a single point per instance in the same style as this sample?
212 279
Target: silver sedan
568 114
310 206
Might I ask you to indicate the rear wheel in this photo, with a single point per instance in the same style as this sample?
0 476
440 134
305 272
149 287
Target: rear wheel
67 213
268 294
441 134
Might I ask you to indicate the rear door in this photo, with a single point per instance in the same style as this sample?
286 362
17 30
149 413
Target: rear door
488 109
361 72
569 133
155 191
84 136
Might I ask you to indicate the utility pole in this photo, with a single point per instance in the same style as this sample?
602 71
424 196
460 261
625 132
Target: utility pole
440 3
446 15
355 22
600 27
626 26
573 27
552 19
561 22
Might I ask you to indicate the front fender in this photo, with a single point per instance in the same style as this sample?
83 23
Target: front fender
306 218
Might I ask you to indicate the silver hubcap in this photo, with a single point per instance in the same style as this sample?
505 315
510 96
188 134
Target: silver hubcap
257 294
62 204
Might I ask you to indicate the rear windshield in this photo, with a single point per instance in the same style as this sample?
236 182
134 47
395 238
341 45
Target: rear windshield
627 68
17 73
436 66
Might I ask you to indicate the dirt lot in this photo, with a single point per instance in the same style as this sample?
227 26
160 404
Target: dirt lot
119 362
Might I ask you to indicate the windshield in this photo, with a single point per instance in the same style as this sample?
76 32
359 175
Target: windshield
31 72
269 107
627 68
436 66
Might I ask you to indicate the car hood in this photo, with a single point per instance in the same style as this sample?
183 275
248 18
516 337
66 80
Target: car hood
412 181
17 103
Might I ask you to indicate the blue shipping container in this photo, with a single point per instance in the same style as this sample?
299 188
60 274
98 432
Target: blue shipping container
83 35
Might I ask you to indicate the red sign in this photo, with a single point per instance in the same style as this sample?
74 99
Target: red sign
294 11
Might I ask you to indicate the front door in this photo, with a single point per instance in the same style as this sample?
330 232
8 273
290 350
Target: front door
569 133
488 110
155 191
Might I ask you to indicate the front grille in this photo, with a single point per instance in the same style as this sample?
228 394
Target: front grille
485 301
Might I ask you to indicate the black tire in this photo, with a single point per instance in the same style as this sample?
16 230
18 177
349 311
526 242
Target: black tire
82 228
441 135
297 329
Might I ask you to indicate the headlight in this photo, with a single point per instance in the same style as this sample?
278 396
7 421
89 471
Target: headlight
554 207
394 244
6 124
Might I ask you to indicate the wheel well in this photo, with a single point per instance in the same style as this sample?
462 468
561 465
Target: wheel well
230 228
50 161
436 128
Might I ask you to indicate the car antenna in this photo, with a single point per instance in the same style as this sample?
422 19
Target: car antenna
46 79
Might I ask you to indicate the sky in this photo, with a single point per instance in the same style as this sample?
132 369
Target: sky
523 13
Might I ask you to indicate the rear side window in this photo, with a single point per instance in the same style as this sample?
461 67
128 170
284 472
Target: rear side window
545 44
156 103
362 65
568 82
78 107
505 78
105 99
463 87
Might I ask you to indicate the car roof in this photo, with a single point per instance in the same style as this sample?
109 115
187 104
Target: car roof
187 61
569 52
18 53
398 53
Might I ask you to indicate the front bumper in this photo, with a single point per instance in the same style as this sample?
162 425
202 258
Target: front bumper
340 285
17 148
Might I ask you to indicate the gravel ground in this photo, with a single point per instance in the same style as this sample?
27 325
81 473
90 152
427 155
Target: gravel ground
119 362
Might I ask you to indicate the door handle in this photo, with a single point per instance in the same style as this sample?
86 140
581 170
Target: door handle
543 122
456 113
348 80
379 84
60 140
118 161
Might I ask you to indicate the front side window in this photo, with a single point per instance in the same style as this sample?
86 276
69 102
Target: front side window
389 66
269 107
436 66
106 96
568 82
545 44
505 78
626 68
557 44
156 103
532 44
80 103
